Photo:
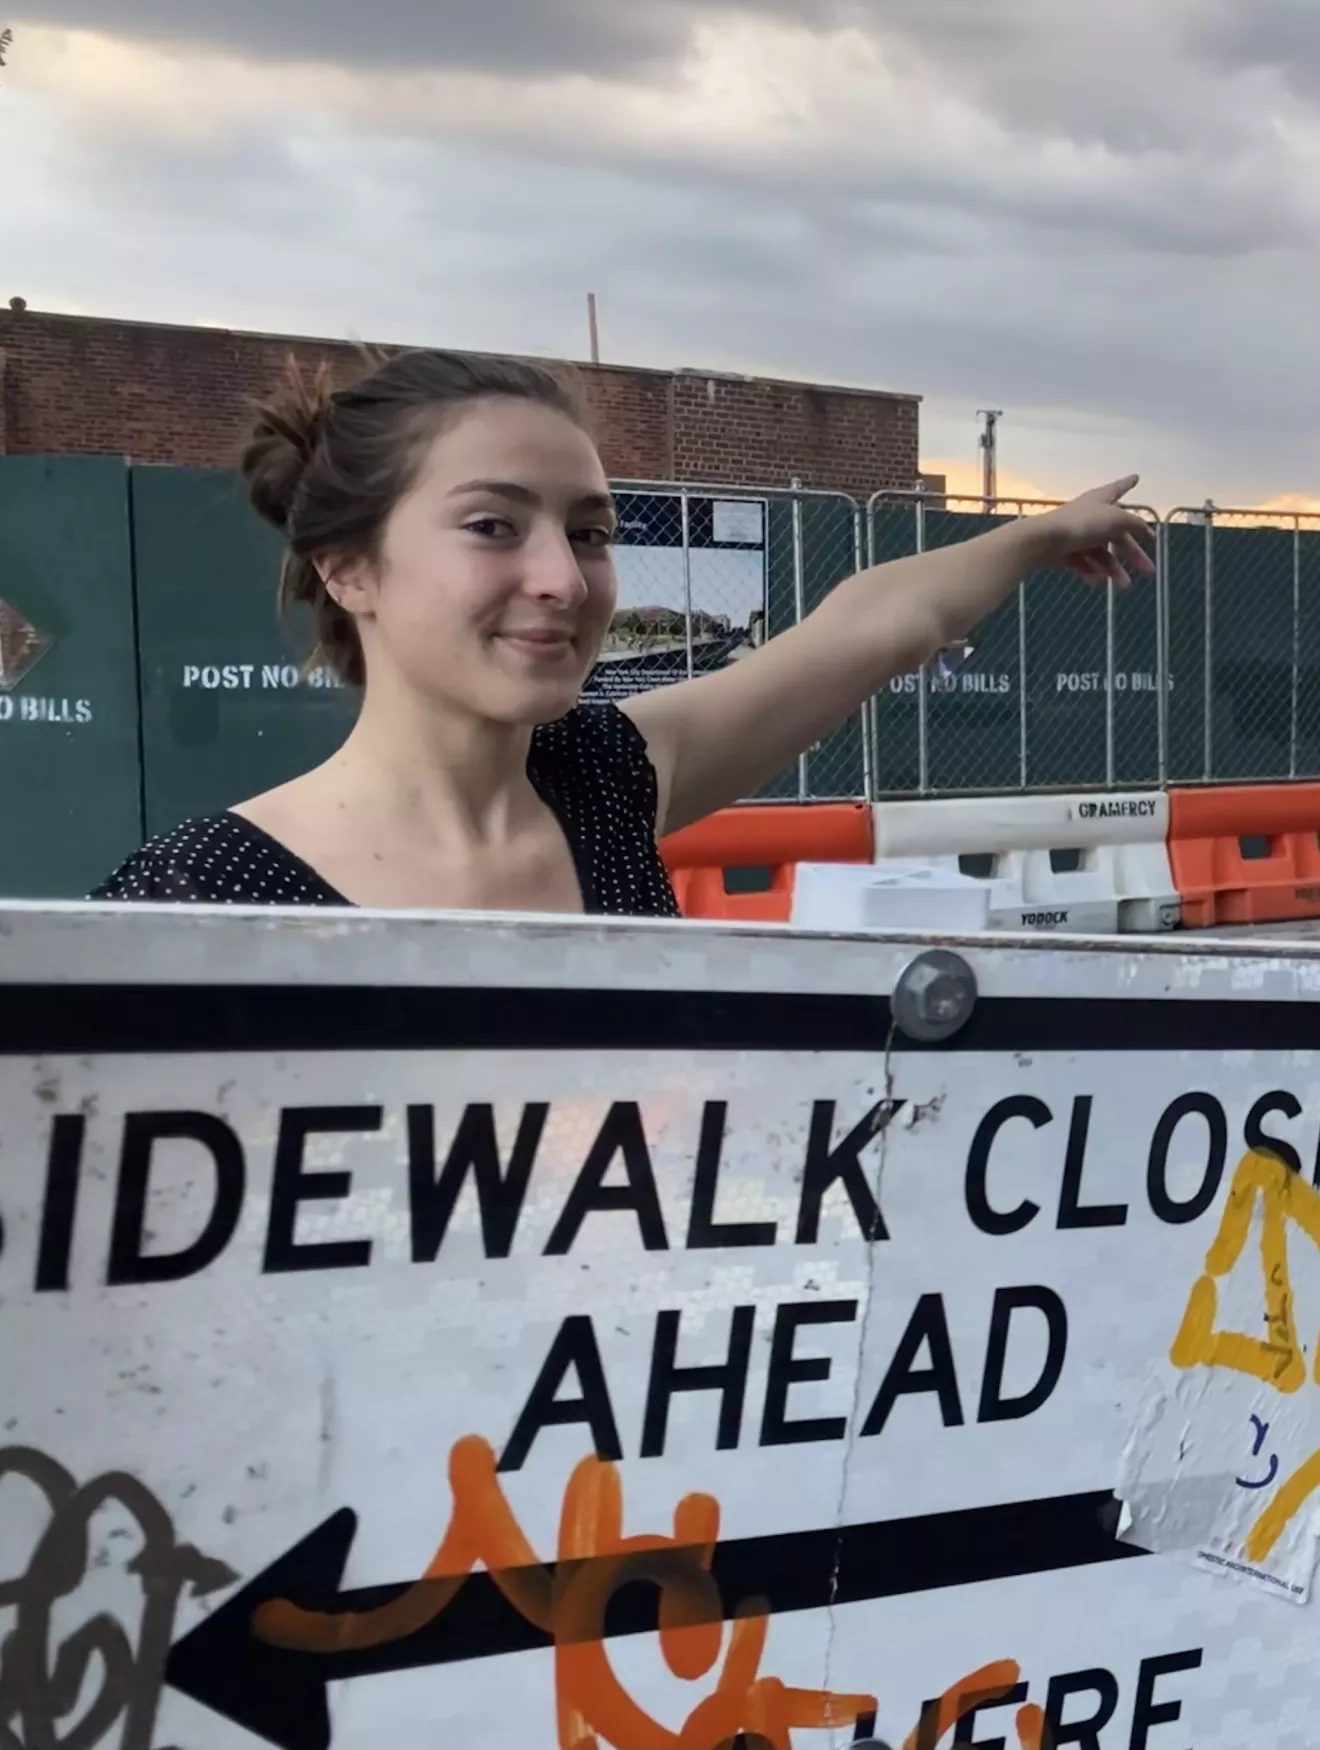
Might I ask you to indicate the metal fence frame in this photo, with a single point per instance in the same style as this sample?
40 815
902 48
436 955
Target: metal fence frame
1250 516
796 497
1014 506
1213 518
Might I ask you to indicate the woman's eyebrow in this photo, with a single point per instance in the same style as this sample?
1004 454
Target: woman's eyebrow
516 494
497 489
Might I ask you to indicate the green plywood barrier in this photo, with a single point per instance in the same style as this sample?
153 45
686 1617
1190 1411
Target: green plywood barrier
1067 639
144 677
226 712
828 533
978 719
70 805
1265 590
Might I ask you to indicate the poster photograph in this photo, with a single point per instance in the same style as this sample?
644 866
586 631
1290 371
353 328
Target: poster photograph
723 563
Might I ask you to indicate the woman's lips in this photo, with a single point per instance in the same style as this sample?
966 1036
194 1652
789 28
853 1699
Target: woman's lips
540 643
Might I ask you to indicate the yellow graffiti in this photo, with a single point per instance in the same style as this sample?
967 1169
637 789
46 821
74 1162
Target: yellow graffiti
1277 1359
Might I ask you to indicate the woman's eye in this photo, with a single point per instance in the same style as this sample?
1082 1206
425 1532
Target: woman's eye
490 528
594 537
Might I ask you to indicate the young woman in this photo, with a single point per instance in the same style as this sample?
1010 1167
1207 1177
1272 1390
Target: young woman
449 524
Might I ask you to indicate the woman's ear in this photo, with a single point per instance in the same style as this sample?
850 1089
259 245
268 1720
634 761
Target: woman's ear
347 582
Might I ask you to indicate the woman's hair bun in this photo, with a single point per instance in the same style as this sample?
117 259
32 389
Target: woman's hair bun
285 434
328 465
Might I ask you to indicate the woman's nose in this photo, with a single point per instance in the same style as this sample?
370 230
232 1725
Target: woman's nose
553 572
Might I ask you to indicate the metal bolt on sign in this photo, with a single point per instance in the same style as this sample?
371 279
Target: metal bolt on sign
934 997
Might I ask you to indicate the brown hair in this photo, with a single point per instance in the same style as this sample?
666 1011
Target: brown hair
327 465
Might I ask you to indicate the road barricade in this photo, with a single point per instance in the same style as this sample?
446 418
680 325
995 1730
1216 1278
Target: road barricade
1091 864
505 1333
1246 854
739 865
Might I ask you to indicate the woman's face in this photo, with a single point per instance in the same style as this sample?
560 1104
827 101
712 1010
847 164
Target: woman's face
495 586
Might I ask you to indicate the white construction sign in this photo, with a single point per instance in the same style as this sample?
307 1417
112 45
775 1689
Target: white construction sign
480 1335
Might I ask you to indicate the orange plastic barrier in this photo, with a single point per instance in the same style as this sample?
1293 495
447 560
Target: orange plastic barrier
765 844
1246 855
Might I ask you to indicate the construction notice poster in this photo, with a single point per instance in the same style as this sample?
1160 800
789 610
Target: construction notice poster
471 1334
703 566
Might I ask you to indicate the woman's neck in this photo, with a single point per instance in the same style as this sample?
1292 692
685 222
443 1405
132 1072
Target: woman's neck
449 777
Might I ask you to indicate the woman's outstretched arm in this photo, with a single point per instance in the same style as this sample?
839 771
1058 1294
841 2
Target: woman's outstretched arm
719 738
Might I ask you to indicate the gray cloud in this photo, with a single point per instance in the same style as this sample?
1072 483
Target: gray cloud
1280 35
507 36
396 33
1136 78
1105 228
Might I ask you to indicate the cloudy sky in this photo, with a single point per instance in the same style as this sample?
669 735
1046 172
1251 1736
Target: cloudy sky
1102 216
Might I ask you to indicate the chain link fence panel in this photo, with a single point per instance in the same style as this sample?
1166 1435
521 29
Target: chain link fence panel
1211 673
1094 679
706 574
1244 644
1058 690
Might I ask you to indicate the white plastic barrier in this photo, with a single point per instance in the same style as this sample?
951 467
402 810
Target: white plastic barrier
929 896
900 896
1121 882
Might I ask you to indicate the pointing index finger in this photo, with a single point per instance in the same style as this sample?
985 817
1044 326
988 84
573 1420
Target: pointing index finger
1117 489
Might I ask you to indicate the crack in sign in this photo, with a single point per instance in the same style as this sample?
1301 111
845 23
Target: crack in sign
40 1684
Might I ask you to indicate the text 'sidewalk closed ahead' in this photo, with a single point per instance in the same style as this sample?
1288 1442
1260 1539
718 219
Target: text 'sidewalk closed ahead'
680 1361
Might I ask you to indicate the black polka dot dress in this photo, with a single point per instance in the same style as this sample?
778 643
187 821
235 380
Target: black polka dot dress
590 768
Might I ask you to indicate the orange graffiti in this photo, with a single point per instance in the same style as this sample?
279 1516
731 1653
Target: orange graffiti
983 1688
570 1604
595 1560
1278 1358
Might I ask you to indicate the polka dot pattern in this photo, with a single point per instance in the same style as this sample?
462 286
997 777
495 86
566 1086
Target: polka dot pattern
591 769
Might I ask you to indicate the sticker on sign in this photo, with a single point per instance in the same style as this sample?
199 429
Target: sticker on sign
1189 1477
629 1340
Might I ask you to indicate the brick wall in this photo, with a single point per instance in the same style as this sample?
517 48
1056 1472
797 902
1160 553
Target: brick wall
78 385
747 428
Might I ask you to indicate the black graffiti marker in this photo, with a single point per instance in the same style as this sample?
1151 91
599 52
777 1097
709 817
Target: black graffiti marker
43 1678
279 1694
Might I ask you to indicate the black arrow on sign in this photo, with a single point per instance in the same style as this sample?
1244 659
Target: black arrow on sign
280 1695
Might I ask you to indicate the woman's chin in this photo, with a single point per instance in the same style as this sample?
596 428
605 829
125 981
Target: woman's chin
544 701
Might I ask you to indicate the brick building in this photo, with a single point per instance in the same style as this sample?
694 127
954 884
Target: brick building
158 393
